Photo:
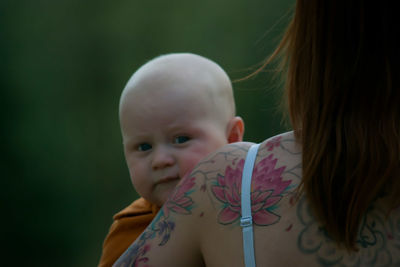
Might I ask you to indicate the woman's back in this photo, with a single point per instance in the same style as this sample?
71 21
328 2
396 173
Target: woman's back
290 235
199 225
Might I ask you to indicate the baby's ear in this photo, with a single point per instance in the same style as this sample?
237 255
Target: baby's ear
235 130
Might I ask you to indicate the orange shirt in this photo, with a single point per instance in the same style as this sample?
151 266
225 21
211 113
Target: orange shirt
128 224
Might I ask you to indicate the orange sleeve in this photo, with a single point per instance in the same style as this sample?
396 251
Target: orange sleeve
127 226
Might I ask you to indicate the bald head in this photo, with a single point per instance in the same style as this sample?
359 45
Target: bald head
174 110
187 76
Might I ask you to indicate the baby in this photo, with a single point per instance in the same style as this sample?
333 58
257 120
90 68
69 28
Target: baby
174 111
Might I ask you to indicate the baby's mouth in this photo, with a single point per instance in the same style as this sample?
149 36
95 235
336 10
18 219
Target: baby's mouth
168 179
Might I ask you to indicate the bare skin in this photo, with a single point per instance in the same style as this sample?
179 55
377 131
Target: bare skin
199 224
175 110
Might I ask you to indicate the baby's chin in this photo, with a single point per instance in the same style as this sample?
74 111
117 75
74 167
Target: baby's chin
163 191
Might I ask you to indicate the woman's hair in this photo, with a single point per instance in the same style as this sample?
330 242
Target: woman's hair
342 59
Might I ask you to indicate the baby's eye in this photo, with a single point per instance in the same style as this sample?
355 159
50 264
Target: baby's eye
144 147
181 139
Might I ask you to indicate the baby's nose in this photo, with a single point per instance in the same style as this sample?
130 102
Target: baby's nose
162 158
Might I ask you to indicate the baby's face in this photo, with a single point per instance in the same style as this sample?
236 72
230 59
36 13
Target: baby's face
165 136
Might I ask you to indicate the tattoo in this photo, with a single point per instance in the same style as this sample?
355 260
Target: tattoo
267 191
268 188
274 142
180 202
210 176
162 226
373 240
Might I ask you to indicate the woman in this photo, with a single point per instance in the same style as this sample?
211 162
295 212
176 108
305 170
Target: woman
326 193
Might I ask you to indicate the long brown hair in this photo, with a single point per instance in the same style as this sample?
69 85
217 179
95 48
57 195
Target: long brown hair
342 84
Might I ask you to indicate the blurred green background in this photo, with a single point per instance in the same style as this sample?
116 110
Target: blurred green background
63 66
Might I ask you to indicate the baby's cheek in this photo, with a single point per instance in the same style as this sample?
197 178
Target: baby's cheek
131 174
140 181
190 161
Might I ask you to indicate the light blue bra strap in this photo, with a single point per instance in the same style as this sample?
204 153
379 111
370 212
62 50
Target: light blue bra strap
246 221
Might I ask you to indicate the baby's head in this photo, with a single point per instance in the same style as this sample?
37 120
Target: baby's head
174 110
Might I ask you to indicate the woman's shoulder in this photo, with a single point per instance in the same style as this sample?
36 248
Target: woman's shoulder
199 225
276 174
284 142
286 232
282 146
277 156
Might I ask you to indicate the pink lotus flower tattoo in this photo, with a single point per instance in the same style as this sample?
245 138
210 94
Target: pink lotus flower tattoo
180 202
274 142
267 190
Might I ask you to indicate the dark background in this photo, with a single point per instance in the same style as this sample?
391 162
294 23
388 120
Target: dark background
63 66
